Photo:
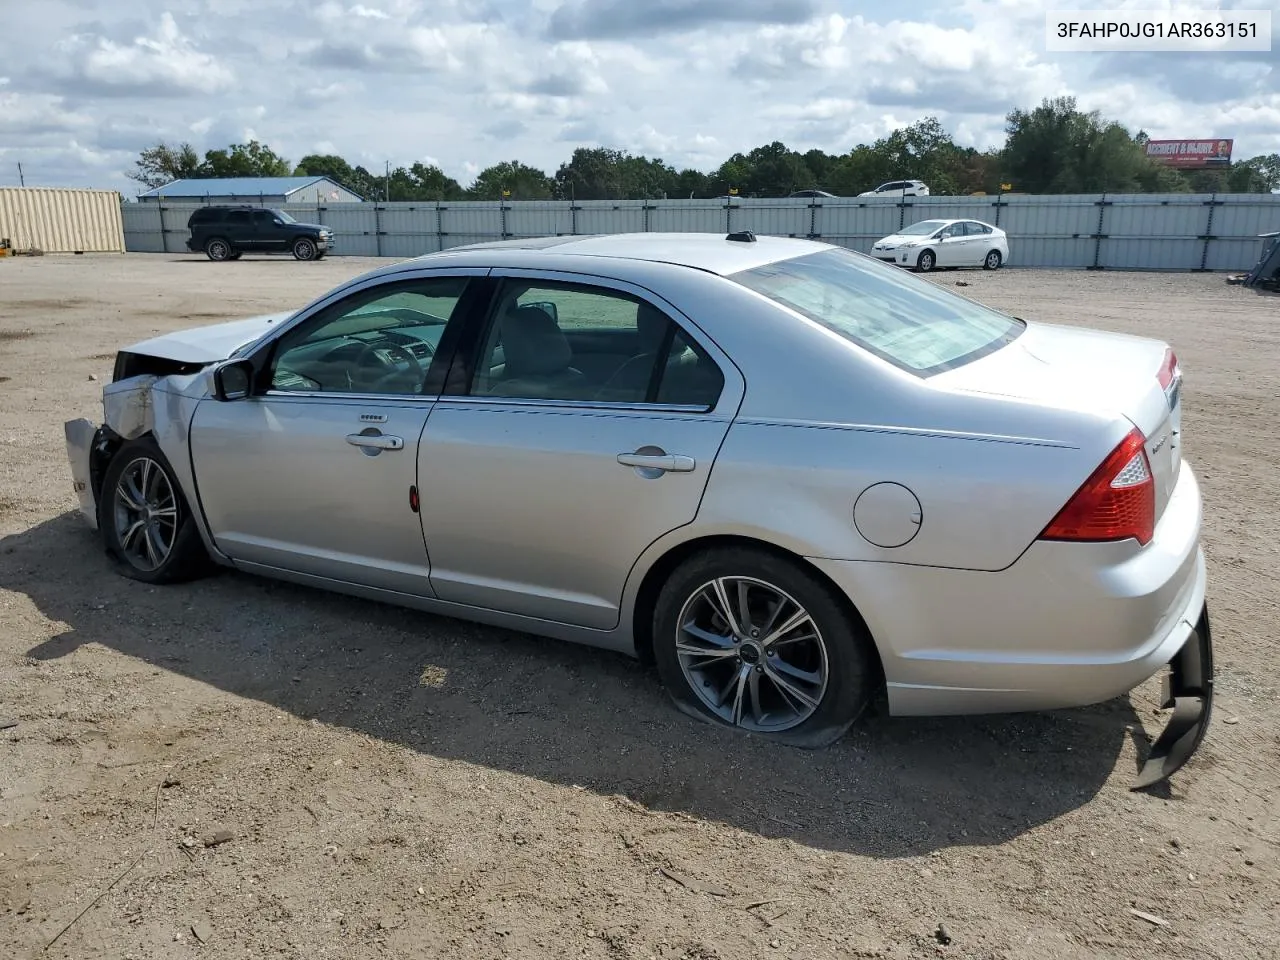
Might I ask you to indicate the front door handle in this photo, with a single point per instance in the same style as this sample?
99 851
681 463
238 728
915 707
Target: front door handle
669 463
379 441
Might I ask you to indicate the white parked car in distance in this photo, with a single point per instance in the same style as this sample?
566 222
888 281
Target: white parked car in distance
899 188
930 244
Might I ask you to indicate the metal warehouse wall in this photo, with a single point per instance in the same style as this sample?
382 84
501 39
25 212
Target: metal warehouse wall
62 221
1120 231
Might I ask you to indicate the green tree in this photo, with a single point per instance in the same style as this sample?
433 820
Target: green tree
1256 175
772 170
163 164
251 159
1056 148
524 182
603 174
431 183
689 184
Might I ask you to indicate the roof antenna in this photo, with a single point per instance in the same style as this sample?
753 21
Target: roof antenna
742 236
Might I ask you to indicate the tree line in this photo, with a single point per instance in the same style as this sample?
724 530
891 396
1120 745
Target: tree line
1052 148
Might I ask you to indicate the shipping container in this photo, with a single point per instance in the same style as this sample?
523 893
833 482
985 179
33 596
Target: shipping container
61 221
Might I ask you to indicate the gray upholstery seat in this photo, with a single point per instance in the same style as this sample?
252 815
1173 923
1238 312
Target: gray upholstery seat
537 358
630 382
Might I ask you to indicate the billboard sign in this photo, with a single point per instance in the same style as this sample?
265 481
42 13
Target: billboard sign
1190 154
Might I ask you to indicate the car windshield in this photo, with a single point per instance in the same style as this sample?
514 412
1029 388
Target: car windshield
284 216
910 322
922 228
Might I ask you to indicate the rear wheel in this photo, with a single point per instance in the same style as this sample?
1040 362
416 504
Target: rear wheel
926 261
992 260
145 520
751 640
218 249
304 249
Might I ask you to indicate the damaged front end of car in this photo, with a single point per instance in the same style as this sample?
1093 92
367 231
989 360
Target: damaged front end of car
128 413
145 373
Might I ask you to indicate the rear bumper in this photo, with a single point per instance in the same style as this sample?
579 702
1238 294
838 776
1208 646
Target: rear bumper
1068 624
1188 691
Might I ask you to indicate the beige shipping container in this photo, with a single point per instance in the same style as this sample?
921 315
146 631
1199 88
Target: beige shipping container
61 221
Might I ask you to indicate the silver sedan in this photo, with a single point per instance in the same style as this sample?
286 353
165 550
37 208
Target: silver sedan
789 474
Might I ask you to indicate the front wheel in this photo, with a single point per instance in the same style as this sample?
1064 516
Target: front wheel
926 261
304 249
992 261
751 640
145 520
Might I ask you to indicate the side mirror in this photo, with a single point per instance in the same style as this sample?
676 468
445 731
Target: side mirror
232 380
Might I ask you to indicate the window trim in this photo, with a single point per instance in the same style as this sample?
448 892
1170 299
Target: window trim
460 376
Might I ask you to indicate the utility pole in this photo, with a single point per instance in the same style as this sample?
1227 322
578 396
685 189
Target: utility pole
388 187
22 182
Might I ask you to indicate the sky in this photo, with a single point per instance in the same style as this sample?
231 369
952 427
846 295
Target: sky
86 84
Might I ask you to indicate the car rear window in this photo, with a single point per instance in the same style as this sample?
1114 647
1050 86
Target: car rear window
909 322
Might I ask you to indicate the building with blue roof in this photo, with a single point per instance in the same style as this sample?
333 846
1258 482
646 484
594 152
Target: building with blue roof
264 191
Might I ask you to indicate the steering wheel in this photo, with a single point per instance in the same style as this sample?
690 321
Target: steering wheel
394 352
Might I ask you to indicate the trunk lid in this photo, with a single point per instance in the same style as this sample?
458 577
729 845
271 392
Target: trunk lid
1092 371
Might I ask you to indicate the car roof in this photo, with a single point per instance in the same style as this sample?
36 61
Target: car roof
711 252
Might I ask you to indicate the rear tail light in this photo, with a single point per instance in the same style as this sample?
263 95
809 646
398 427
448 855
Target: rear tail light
1116 503
1168 370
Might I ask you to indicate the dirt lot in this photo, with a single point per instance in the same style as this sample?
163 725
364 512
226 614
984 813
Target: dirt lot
398 785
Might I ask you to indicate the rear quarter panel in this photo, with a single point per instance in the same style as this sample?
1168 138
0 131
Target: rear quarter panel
982 501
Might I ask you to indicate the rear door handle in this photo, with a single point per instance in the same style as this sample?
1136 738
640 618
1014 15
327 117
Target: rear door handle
378 441
671 463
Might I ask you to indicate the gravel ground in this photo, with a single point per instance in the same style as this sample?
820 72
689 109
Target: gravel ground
398 785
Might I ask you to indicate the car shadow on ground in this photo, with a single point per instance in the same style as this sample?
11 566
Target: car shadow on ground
569 715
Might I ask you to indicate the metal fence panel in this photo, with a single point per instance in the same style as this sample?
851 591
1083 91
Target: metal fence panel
142 230
1244 216
1072 216
463 223
612 216
1117 231
777 218
858 225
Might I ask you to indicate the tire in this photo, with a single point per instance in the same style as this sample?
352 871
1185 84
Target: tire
237 255
304 249
838 663
926 261
218 249
166 548
992 260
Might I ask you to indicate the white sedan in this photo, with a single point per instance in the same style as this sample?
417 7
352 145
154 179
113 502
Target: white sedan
945 243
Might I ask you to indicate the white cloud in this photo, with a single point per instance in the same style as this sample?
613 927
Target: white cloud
472 82
163 64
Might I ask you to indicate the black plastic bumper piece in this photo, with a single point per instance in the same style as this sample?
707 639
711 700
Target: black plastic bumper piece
1188 689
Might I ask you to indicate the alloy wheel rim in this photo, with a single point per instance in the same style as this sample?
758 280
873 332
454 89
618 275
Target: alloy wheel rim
146 514
304 249
218 249
752 653
993 258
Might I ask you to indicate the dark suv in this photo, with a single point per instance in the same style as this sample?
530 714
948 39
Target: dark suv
227 233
